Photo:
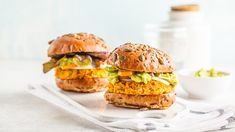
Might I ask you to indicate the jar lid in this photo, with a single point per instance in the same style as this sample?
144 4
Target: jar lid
190 7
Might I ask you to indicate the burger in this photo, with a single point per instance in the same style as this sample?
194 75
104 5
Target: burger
79 60
140 77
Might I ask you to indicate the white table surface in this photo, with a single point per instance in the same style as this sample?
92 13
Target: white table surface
22 112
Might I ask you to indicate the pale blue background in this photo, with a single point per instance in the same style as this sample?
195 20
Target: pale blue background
27 25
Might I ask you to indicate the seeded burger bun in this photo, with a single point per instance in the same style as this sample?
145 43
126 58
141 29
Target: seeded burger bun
83 47
162 101
140 58
86 85
139 69
77 42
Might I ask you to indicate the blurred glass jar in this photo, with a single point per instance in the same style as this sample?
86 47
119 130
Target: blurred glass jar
186 35
150 34
174 42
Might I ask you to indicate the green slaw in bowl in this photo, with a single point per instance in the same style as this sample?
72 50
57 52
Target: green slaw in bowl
209 73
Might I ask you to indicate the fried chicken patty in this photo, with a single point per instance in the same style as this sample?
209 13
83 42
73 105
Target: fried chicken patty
79 74
153 87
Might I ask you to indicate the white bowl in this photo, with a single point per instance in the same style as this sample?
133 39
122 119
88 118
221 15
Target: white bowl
203 87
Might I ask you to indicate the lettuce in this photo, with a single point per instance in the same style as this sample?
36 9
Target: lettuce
112 74
113 77
49 65
169 77
146 77
111 69
77 60
141 77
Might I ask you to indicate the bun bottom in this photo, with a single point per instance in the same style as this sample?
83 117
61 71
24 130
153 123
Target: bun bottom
85 85
162 101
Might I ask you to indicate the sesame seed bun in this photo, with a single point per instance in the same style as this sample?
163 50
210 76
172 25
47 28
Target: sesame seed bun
141 58
77 42
85 85
162 101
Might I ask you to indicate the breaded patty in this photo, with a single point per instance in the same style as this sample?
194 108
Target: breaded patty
153 87
79 74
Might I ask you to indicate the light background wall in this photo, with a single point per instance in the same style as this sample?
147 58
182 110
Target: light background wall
27 25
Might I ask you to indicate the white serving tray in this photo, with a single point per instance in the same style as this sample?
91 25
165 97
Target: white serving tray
95 102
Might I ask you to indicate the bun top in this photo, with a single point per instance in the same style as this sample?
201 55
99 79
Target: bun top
77 42
141 58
